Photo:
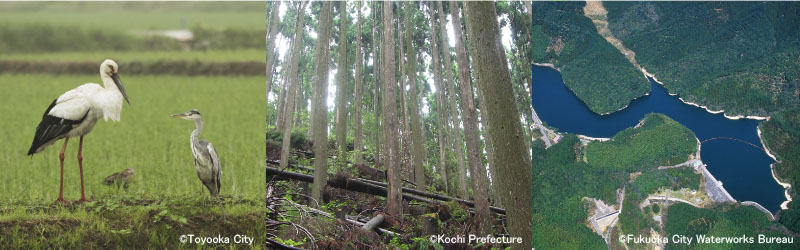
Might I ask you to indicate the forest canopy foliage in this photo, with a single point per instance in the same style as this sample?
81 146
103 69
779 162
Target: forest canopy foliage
723 221
782 135
659 141
591 67
736 56
560 211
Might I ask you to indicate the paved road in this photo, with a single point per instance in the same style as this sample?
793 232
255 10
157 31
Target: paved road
542 129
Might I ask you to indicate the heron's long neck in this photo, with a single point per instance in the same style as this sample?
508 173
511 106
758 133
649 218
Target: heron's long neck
196 133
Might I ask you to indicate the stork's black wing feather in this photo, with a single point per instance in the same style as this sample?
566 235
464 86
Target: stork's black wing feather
52 128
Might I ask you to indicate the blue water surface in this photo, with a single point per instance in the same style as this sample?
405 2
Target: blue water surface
730 148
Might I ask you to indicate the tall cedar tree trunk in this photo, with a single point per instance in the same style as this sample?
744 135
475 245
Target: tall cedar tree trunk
498 201
511 156
522 54
320 125
417 138
480 182
405 137
456 130
394 206
298 105
272 34
282 97
341 89
357 145
376 108
442 114
297 46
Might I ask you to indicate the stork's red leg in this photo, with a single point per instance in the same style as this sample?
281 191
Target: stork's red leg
61 186
80 165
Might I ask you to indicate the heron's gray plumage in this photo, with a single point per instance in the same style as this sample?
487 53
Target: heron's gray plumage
206 161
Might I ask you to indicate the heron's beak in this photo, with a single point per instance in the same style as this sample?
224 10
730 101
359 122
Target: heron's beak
121 88
182 116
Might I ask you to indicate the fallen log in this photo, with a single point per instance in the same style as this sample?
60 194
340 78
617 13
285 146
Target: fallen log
405 190
373 223
278 163
381 230
351 221
360 185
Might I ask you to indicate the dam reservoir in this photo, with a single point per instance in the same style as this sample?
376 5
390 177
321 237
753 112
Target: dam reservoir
730 148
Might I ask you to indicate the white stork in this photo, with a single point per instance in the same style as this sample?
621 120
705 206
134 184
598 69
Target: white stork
75 113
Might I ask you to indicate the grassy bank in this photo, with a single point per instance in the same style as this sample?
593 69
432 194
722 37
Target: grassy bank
132 222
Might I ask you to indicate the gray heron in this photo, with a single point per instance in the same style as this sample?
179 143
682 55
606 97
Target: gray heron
75 113
206 160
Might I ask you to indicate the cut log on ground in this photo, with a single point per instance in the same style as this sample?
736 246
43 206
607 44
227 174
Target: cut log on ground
360 185
405 190
373 223
351 221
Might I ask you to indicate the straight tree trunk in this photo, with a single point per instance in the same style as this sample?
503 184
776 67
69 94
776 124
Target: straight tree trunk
417 136
341 89
511 156
376 72
498 201
272 34
320 125
394 198
297 46
284 88
298 106
405 137
480 182
357 145
440 107
456 130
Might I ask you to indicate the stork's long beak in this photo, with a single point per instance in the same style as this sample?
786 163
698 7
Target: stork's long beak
121 88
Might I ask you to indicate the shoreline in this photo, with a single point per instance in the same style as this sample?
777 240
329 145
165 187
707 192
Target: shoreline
736 117
549 65
786 186
592 138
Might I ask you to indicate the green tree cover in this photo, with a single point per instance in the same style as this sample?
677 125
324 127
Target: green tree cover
635 221
724 220
591 67
559 210
560 183
660 141
736 56
782 135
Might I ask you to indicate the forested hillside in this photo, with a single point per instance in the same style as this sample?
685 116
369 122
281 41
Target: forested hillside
560 212
738 56
723 221
591 67
782 135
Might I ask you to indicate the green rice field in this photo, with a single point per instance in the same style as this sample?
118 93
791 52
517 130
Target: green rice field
44 45
141 56
166 199
147 139
128 16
